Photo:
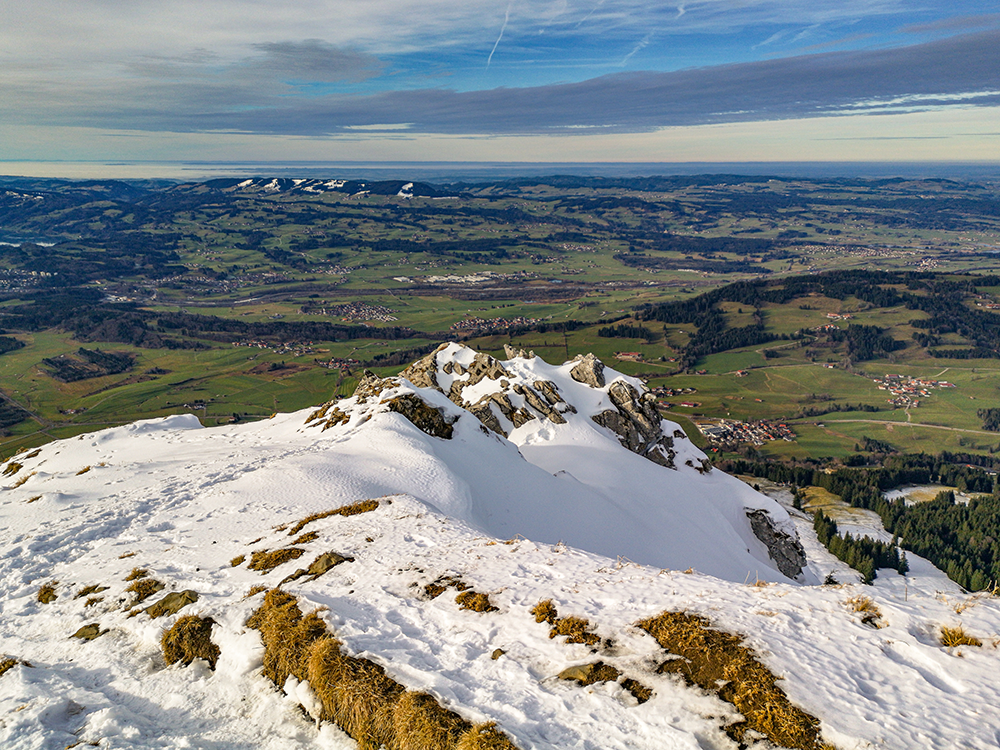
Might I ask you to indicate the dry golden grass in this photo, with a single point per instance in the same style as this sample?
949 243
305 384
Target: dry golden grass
871 615
640 692
143 589
34 499
136 574
125 555
238 560
91 601
190 639
309 536
12 468
84 470
576 629
434 589
254 590
420 723
354 509
24 479
88 590
475 601
356 693
265 561
545 611
484 737
33 453
47 592
7 664
956 636
718 661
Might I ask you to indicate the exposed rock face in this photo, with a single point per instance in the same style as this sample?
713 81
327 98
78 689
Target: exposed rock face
423 372
590 370
172 603
637 423
784 549
424 416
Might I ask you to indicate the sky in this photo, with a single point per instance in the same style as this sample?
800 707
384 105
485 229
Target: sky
512 80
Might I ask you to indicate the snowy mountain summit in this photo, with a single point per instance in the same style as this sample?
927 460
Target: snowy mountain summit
477 554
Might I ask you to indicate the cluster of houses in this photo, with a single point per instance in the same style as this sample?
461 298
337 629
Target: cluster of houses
907 390
487 326
360 311
344 364
288 348
728 432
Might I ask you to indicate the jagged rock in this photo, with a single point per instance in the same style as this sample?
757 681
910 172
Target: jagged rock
483 367
172 603
481 410
423 372
325 562
425 417
539 404
636 421
785 549
511 353
372 385
589 370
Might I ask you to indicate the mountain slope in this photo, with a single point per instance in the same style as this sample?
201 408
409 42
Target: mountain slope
191 506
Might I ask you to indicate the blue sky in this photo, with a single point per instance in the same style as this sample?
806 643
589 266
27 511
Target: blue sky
525 80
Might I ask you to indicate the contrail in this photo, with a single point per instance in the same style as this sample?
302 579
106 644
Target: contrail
639 46
506 17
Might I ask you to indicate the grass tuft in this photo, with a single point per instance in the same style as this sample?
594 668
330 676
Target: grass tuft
871 615
84 470
12 468
144 588
718 661
576 629
956 636
484 737
254 590
88 590
420 722
125 555
34 499
354 509
47 592
434 589
545 611
24 479
309 536
136 574
91 601
190 639
265 561
238 560
475 601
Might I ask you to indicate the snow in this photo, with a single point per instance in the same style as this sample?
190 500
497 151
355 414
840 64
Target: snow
603 532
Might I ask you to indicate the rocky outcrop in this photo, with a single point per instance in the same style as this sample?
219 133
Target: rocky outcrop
785 549
589 370
636 422
425 417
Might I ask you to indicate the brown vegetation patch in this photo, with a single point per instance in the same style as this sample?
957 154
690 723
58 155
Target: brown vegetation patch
956 636
34 499
8 663
871 615
364 506
190 638
125 555
84 470
88 590
93 600
12 468
47 592
356 693
34 454
718 661
435 588
640 692
576 629
24 479
309 536
254 590
136 574
475 601
265 561
144 588
238 560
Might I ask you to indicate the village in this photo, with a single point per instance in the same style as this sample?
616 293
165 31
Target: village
906 391
730 432
486 326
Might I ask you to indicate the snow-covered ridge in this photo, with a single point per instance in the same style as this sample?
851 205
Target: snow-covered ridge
551 510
